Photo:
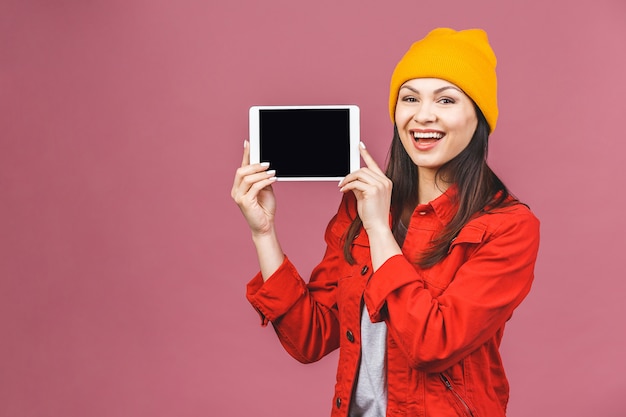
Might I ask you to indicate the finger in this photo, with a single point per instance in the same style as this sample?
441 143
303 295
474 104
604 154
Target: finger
365 175
362 180
259 186
247 176
367 158
246 154
246 170
250 196
249 180
355 186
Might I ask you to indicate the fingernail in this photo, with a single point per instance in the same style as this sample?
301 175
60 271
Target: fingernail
265 164
271 172
362 145
245 143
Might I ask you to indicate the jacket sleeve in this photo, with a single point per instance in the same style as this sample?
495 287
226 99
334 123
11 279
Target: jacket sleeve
435 332
304 315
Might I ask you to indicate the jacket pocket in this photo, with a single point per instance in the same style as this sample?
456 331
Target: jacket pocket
461 404
438 277
470 234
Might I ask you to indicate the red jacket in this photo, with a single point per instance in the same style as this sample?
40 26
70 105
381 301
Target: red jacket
445 323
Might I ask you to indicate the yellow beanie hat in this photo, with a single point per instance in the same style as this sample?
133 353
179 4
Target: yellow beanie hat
463 58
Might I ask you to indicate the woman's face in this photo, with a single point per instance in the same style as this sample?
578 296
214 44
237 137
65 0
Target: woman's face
435 121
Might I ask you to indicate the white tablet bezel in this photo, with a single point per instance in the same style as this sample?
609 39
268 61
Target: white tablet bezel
355 137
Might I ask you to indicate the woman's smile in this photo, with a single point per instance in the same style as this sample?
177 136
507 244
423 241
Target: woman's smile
426 139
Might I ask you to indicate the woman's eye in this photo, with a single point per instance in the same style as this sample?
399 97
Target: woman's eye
446 100
409 99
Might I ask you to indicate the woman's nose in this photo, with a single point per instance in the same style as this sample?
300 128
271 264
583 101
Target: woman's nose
424 114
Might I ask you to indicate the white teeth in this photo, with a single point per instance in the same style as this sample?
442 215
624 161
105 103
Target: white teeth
429 135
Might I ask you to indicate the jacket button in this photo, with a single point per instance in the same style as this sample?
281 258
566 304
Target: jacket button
350 336
364 269
338 402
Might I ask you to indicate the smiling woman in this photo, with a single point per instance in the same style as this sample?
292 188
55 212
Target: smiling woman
416 305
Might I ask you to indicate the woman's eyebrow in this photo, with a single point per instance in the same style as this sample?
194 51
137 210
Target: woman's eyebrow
437 91
409 88
444 88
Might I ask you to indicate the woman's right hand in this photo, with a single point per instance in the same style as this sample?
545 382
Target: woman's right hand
252 191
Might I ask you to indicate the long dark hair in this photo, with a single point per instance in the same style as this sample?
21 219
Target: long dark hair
479 190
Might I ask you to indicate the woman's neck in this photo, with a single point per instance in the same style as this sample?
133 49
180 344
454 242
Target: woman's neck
429 187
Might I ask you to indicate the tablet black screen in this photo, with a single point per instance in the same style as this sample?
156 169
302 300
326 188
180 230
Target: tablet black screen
306 142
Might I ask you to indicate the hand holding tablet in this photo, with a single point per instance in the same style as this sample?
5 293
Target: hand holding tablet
306 143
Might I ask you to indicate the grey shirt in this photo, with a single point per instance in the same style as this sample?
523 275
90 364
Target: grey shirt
370 392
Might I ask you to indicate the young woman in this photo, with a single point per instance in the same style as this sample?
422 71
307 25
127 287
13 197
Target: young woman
424 263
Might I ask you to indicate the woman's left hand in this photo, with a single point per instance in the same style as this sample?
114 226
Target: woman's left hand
373 193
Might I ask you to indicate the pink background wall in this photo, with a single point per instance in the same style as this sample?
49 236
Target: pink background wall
123 260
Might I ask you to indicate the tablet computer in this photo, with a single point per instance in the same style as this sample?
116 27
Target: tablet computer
306 143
